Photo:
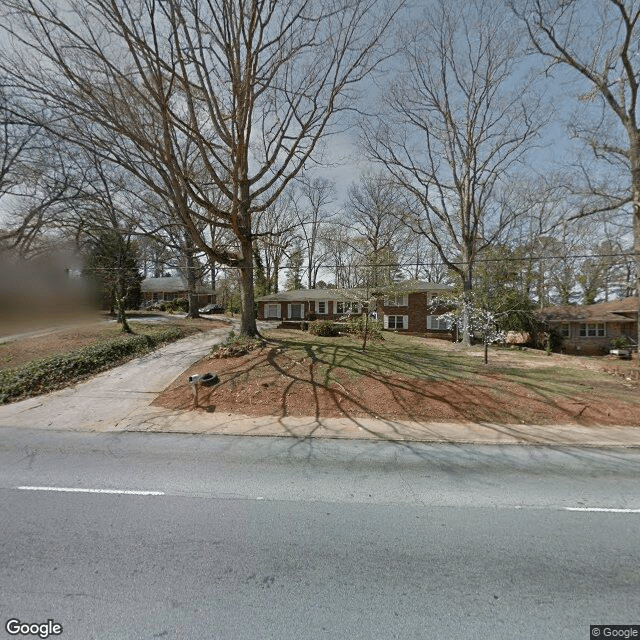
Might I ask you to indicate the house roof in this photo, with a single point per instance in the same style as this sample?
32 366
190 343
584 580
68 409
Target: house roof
172 284
298 295
613 311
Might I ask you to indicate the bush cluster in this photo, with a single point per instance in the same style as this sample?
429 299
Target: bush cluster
235 346
54 372
355 326
621 342
323 328
177 304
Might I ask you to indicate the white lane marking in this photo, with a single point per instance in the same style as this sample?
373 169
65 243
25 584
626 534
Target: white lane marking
601 510
80 490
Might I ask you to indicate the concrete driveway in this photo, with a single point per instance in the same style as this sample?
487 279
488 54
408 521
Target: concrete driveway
107 399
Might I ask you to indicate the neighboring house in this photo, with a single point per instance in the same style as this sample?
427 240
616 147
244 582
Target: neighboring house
166 289
406 309
589 330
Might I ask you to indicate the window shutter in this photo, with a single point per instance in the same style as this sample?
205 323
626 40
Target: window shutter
289 310
386 321
405 322
279 312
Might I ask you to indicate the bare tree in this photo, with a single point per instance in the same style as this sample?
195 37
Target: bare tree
338 246
249 87
34 184
600 42
313 198
16 138
374 208
456 124
274 237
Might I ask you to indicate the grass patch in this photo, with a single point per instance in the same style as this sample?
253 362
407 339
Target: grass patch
397 355
413 358
57 371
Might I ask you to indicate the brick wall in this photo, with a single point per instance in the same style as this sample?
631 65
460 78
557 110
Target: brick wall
574 343
417 309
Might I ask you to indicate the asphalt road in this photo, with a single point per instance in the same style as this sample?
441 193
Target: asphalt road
223 537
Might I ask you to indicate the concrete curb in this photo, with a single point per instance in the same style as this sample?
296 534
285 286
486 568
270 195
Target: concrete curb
157 419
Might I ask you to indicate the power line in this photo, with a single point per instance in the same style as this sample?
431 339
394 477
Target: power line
406 265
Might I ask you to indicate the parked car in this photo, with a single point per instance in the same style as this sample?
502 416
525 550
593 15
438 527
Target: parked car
211 308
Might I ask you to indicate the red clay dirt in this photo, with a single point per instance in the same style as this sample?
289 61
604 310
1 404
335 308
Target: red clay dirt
267 382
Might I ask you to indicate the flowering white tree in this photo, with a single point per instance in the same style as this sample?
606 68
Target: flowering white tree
482 322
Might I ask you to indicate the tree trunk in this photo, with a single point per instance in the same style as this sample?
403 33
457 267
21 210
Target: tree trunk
248 325
121 302
191 282
466 302
636 245
212 263
366 328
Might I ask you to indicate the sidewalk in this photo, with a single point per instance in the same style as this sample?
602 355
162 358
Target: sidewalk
120 400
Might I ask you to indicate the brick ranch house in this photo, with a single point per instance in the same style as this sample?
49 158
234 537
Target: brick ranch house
589 329
170 288
406 309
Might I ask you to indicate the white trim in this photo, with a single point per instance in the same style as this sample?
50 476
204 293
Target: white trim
433 323
267 313
348 307
592 326
397 300
405 322
290 305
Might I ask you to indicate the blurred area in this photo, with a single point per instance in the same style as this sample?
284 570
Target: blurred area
38 293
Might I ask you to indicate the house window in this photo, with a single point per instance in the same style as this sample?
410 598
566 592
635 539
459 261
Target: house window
438 323
296 311
346 307
396 322
321 307
564 330
397 300
272 310
592 329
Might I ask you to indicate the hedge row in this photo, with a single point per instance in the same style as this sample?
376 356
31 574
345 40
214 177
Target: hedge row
55 372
